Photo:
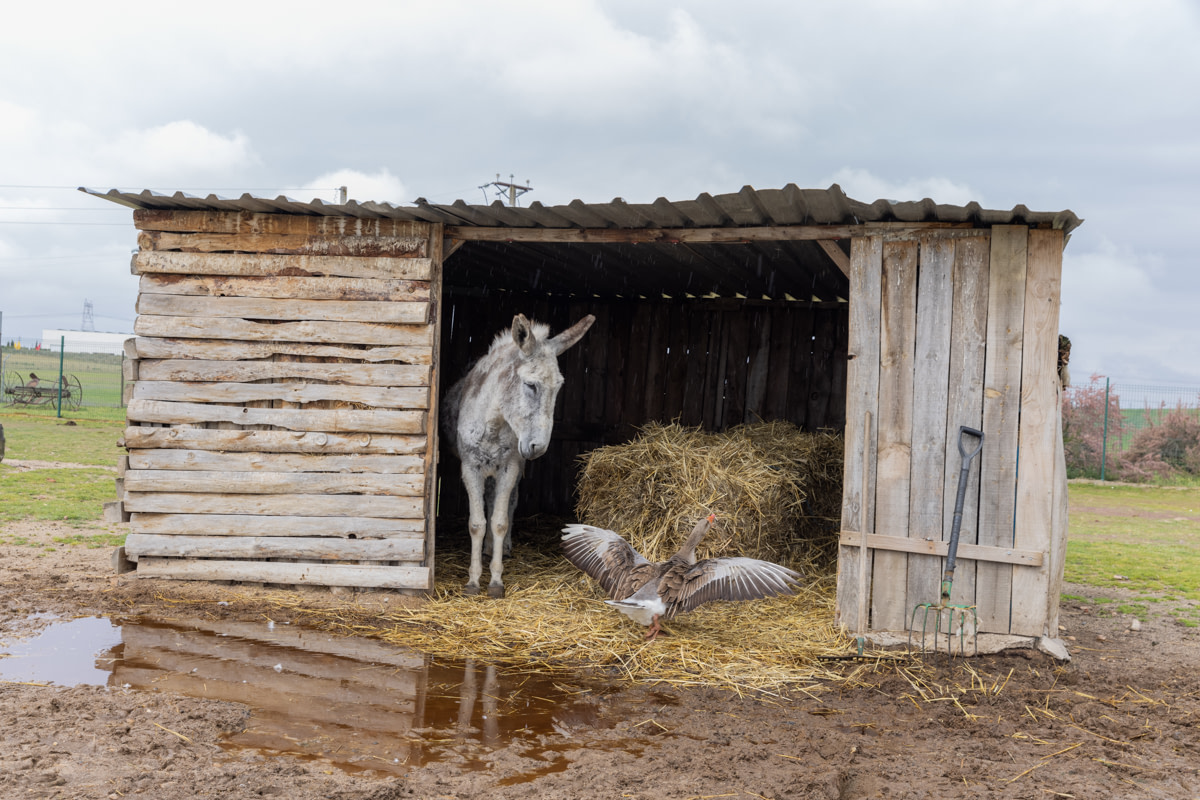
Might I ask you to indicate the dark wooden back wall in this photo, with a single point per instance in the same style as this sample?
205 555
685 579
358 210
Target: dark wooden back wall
711 363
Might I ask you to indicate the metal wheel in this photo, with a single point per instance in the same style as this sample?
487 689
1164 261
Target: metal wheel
11 380
72 392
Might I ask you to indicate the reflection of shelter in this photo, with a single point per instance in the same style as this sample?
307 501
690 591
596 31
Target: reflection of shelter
289 355
353 697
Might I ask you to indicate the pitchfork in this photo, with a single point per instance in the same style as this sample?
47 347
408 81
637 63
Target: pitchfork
954 612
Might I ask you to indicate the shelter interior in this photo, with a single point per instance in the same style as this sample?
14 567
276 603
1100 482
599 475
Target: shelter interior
706 334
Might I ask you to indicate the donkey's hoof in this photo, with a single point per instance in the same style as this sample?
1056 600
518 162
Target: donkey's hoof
470 590
496 590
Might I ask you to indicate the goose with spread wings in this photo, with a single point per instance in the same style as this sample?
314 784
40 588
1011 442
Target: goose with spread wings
646 591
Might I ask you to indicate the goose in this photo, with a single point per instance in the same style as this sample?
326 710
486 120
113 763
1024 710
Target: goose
646 591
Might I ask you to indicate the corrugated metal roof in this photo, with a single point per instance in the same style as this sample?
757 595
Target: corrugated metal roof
772 269
750 207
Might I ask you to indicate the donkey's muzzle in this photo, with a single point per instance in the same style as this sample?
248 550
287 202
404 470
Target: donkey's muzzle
532 450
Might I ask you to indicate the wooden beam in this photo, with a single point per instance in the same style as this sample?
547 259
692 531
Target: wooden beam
271 462
242 371
260 264
307 483
282 525
836 255
933 547
320 505
286 286
343 419
286 243
246 222
339 333
776 233
203 392
374 576
411 548
225 350
256 441
381 311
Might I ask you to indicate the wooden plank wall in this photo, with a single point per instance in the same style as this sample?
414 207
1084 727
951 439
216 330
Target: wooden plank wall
711 363
954 329
283 384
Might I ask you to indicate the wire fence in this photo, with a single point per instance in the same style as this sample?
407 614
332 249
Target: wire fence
58 381
1131 432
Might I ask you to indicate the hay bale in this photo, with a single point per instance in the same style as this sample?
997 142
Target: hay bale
776 491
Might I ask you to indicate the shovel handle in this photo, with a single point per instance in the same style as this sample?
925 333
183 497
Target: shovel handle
963 476
963 432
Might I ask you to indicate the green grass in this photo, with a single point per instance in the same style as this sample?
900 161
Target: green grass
75 496
1145 539
38 437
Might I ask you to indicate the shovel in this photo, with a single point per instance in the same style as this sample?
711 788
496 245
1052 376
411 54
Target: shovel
953 612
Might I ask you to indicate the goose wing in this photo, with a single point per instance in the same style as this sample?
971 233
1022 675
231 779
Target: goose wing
607 557
735 578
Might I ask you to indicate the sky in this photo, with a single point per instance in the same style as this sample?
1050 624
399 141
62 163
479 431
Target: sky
1090 106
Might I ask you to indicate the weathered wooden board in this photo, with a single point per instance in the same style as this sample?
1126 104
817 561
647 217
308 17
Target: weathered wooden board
862 401
248 264
182 369
252 660
224 350
283 525
248 222
309 483
965 400
202 392
362 575
384 656
318 332
321 505
342 420
1036 484
381 311
935 303
285 286
189 438
1001 411
936 547
285 243
260 547
273 462
1058 524
898 312
238 657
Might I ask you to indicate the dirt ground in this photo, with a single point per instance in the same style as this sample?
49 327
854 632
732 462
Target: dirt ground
1121 720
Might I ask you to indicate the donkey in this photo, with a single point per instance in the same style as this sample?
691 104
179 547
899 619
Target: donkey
496 418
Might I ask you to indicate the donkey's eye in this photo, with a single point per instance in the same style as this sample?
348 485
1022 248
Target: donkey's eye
531 388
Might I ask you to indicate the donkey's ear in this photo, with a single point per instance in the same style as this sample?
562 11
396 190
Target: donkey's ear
571 335
522 333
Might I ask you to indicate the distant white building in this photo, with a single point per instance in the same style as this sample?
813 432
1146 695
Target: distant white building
83 341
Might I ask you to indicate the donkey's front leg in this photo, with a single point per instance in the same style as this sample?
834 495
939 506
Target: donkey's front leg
474 484
506 485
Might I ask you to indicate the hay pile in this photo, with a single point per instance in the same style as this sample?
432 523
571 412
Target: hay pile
776 491
554 619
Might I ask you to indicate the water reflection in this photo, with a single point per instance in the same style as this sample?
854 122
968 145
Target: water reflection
359 704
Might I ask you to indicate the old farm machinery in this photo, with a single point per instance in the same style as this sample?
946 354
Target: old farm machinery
66 393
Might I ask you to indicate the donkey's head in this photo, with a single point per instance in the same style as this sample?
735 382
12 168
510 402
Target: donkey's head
536 380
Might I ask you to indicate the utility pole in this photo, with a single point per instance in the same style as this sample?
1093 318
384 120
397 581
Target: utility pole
89 323
509 189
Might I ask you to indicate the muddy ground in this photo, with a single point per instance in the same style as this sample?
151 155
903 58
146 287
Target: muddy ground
1121 720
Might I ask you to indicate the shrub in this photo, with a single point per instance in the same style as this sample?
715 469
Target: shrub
1083 428
1164 449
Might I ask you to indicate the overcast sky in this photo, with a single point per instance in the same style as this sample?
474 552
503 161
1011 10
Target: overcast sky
1092 106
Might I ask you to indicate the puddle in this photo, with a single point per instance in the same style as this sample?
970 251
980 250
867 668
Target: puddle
358 704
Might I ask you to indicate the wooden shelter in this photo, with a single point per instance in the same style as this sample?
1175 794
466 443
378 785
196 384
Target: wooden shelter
289 355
